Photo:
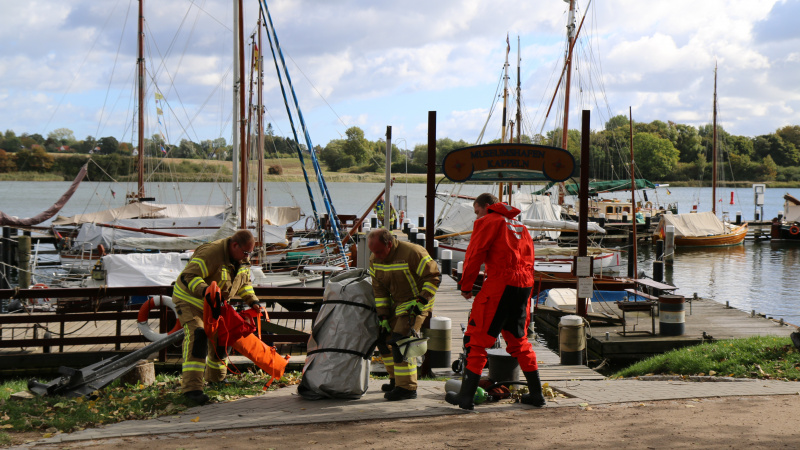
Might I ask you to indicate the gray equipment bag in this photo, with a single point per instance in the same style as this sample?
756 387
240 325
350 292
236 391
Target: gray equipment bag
342 340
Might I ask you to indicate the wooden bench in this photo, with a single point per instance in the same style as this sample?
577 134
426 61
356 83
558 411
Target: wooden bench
636 294
648 306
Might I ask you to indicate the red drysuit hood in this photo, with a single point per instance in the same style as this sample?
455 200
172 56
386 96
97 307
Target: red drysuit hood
506 210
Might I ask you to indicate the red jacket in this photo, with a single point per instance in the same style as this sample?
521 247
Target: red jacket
504 245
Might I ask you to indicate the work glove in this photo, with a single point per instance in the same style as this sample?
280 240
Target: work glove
383 323
416 305
213 296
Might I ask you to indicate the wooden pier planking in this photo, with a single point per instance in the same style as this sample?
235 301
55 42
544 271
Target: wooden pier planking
715 319
450 303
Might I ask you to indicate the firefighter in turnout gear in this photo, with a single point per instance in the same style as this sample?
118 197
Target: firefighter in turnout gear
226 262
404 280
505 247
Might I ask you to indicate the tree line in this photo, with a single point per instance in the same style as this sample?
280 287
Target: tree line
663 151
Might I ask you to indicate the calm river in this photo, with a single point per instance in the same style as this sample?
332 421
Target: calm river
760 275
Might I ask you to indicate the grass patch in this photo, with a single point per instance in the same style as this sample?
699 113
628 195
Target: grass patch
765 357
116 403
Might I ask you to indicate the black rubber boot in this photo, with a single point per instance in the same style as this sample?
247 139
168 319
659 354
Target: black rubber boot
399 393
465 399
534 397
795 338
388 387
196 396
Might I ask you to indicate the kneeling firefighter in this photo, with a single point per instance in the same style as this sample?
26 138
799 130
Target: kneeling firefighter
225 262
404 280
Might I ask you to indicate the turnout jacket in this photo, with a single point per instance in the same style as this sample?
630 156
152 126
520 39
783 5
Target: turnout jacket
504 245
212 262
407 272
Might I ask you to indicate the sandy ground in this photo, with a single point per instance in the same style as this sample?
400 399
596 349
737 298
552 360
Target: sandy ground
733 422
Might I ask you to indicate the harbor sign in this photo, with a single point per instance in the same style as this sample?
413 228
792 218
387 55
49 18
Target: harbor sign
507 163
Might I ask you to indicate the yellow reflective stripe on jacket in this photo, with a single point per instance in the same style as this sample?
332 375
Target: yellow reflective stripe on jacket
202 264
243 270
193 284
372 271
223 275
187 297
429 287
422 264
400 267
245 290
429 306
382 302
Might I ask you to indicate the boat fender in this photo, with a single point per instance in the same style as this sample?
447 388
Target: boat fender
794 230
144 312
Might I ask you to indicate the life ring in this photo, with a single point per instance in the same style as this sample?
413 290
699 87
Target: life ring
144 312
42 286
794 230
648 205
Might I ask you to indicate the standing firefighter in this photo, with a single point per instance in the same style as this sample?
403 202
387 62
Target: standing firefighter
505 246
404 280
226 262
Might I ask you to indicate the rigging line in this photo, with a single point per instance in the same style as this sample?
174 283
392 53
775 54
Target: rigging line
214 18
291 119
153 76
317 90
78 71
114 66
334 217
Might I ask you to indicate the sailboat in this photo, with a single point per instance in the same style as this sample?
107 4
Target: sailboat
135 226
704 229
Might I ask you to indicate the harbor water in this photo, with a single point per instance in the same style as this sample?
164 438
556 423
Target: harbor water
760 275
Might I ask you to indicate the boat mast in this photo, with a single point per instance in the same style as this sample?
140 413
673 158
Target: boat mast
633 197
519 95
503 138
260 129
140 64
714 151
241 123
235 113
565 128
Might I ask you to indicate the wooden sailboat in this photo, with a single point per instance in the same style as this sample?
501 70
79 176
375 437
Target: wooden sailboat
704 229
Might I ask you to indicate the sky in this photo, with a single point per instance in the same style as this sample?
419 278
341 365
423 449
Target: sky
374 64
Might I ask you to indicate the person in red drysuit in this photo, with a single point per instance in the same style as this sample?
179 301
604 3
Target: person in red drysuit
505 246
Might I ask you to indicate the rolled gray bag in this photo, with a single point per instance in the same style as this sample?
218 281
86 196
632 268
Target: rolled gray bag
342 340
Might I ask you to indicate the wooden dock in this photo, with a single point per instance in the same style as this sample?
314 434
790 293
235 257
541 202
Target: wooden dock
705 320
450 303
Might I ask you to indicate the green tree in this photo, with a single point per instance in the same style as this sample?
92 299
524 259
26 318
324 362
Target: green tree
655 156
36 160
11 142
790 134
616 122
688 142
783 153
740 145
108 145
7 163
64 136
769 170
356 145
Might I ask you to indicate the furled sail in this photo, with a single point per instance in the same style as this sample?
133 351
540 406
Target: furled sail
6 220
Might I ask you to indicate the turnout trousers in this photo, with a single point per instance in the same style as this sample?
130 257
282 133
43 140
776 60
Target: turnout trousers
499 309
403 372
199 352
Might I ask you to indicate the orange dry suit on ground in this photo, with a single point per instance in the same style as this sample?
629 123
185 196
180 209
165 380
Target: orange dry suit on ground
505 246
210 262
407 272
